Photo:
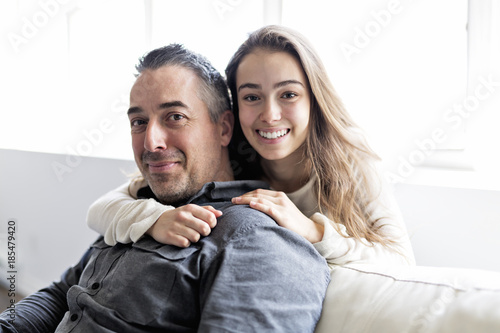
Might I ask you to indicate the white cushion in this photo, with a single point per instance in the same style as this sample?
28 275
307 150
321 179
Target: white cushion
367 298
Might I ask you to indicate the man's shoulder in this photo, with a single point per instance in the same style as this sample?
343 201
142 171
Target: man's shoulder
237 222
238 216
242 222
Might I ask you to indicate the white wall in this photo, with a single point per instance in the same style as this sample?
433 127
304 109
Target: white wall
452 227
50 210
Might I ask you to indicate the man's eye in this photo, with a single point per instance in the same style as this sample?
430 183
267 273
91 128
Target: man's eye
176 117
137 122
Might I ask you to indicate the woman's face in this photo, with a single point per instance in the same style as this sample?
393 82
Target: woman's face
274 103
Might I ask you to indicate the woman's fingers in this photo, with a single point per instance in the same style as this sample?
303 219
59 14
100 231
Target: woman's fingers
185 225
268 209
200 219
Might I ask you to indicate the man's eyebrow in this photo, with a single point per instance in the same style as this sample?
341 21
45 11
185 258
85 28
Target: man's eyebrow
134 109
166 105
277 85
173 104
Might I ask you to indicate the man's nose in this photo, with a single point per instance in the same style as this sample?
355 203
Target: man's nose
156 137
271 112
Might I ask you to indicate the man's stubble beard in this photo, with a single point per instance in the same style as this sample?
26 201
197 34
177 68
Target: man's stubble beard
171 190
175 189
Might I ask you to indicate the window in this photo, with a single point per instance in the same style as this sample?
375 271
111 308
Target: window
401 68
467 156
483 118
398 66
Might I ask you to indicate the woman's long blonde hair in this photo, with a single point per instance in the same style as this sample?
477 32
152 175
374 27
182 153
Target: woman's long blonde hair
339 157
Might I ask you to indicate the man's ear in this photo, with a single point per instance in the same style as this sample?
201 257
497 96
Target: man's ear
226 124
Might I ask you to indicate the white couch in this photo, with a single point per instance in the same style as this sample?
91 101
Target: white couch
367 298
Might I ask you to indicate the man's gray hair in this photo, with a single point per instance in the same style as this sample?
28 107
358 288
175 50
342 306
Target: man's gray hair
213 89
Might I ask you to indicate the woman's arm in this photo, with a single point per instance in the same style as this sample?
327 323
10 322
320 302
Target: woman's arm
120 217
339 250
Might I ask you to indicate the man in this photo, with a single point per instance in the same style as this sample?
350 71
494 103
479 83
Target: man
249 275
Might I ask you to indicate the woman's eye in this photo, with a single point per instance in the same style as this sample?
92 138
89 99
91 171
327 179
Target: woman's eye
251 98
289 95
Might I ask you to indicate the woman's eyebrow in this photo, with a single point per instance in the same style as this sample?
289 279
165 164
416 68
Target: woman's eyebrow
277 85
250 85
287 82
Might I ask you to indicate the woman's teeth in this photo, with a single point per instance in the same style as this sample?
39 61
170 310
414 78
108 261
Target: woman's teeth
273 135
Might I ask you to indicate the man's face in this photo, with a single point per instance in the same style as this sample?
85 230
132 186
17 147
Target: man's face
176 146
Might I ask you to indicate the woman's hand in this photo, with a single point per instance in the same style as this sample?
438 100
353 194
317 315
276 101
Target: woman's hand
184 225
278 206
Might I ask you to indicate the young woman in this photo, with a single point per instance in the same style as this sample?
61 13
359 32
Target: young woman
292 131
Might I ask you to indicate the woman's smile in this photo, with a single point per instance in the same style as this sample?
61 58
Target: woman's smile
272 134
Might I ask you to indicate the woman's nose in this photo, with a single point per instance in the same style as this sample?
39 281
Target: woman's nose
271 112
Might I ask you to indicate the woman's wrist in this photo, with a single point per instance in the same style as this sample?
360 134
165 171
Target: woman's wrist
316 232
